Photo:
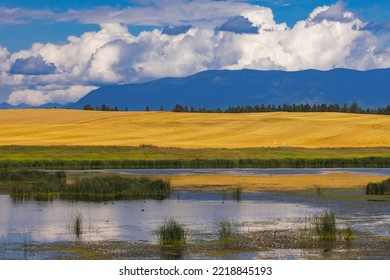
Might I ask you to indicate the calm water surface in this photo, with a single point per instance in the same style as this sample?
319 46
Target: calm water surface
244 171
137 220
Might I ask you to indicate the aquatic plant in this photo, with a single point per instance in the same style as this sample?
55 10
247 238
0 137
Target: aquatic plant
226 230
236 193
77 223
378 188
325 225
232 193
32 176
171 233
319 190
348 234
96 188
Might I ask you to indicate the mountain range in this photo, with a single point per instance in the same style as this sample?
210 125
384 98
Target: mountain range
224 88
6 105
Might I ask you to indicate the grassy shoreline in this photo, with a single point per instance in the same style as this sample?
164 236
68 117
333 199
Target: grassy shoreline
147 156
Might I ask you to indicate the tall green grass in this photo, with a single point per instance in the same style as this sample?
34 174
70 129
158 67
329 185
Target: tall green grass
326 226
348 233
77 224
117 187
31 176
232 193
369 162
226 230
236 193
94 189
147 156
171 233
378 188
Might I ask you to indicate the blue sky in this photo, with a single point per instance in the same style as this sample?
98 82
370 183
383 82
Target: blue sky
57 51
49 30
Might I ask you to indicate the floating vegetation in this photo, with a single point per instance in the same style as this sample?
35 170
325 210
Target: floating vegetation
94 189
381 188
326 226
226 230
171 233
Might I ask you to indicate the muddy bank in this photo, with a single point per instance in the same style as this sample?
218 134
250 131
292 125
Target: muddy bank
266 244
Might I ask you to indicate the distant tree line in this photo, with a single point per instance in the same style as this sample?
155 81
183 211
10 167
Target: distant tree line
353 108
104 107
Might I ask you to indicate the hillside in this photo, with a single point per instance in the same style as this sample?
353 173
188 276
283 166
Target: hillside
192 130
224 88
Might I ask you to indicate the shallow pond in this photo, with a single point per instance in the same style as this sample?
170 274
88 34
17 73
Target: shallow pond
137 220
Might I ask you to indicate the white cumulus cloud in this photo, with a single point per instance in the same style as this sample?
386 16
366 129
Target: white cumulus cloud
330 37
4 63
42 95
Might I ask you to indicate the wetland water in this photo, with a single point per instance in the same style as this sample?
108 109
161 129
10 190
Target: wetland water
136 220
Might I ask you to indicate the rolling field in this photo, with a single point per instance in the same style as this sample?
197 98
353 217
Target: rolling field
53 127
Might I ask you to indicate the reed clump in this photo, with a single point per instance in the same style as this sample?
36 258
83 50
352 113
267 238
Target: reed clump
325 225
226 230
236 193
31 176
171 233
117 187
94 188
348 234
381 188
77 224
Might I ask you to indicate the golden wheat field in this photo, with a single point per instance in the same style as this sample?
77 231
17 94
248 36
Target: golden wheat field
192 130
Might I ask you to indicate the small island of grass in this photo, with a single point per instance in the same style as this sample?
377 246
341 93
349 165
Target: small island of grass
45 186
